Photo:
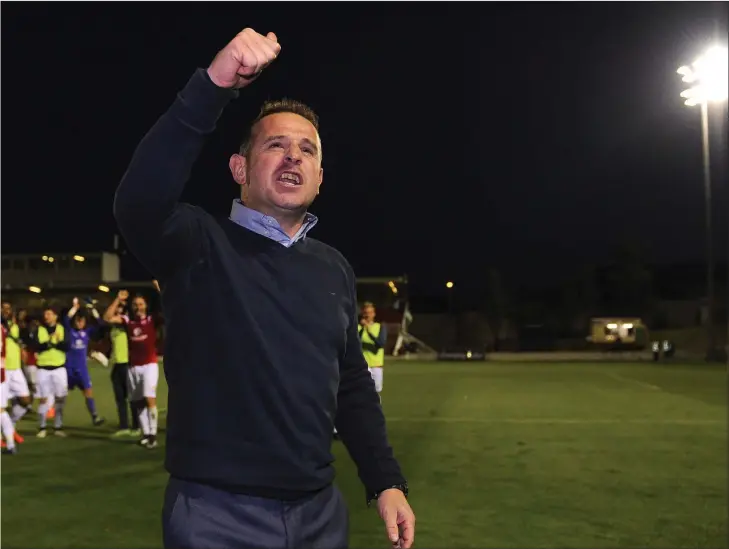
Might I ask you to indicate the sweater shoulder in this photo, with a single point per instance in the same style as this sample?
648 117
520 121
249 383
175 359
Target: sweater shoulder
329 253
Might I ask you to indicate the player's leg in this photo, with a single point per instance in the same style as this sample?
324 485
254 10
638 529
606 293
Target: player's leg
6 424
379 381
135 389
376 374
45 388
19 394
136 426
85 385
31 374
118 385
8 429
51 402
60 391
150 378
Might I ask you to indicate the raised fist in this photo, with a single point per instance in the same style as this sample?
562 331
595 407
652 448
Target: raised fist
123 295
242 60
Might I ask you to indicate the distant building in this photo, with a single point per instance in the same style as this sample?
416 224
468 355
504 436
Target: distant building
62 269
33 281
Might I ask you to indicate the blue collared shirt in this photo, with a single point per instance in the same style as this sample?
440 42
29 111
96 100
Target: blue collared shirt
267 226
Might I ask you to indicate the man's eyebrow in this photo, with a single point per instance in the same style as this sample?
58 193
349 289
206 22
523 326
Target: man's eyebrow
311 143
273 138
282 137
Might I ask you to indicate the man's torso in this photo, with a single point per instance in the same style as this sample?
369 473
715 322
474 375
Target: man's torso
142 337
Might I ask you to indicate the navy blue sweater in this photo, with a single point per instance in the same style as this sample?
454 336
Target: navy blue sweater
261 350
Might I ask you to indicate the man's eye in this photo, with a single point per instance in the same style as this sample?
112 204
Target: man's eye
308 151
275 144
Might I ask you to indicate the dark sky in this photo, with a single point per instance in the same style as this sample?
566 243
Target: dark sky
527 137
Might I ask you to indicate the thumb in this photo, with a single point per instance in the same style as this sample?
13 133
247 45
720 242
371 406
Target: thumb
272 36
390 518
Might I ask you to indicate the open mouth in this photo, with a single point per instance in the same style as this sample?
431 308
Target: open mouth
290 179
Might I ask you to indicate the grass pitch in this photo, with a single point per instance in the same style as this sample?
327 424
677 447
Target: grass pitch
497 455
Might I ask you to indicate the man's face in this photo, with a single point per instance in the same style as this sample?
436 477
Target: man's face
50 317
79 322
7 310
282 172
369 313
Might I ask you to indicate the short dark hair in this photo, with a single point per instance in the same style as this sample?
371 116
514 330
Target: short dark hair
276 106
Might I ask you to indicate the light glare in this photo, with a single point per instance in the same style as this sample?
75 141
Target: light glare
709 75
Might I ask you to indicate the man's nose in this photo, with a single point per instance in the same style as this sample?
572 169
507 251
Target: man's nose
293 155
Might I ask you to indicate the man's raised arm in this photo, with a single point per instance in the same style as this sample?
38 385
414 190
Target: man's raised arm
160 231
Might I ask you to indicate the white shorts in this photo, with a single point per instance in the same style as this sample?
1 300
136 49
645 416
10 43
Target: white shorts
142 381
17 384
4 395
52 382
377 374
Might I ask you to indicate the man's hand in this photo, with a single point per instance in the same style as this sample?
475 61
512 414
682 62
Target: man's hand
398 516
242 60
123 295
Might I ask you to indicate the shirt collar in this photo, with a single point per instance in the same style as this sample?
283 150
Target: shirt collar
267 226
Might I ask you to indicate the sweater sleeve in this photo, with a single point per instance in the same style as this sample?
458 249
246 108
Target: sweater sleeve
360 420
161 232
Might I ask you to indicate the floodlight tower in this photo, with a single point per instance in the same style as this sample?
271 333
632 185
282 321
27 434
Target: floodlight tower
709 79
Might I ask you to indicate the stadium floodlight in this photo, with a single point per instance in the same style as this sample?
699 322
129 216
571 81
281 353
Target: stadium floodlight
709 79
34 289
708 76
79 258
449 284
103 288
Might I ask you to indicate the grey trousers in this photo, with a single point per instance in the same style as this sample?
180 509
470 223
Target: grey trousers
197 516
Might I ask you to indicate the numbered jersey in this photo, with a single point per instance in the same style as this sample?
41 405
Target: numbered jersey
142 337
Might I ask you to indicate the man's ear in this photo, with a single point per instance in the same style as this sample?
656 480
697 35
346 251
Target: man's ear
238 165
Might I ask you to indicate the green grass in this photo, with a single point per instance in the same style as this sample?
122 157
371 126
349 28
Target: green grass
497 455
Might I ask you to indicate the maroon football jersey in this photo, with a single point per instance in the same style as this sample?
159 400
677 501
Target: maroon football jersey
142 340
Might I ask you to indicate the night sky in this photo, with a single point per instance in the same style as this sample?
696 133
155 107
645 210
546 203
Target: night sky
531 138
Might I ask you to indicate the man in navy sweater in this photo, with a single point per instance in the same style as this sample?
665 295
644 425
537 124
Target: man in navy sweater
253 400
